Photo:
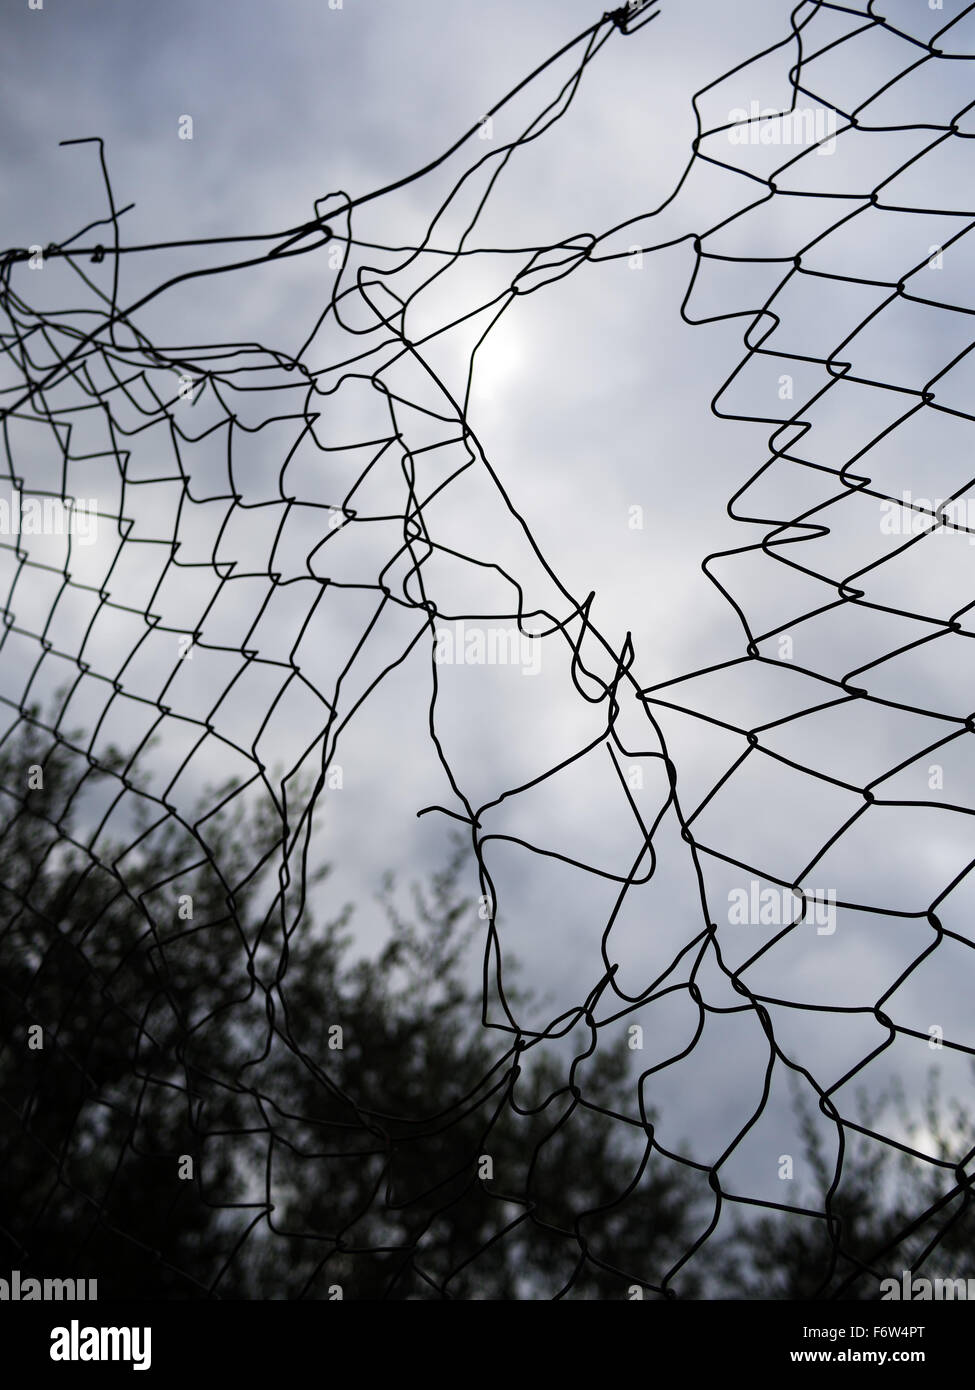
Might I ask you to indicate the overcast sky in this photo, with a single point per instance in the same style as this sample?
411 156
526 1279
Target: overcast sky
591 409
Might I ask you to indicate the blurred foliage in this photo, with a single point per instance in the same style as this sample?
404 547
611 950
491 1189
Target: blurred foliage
212 1036
315 1166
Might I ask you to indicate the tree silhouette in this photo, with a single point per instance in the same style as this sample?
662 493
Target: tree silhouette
888 1210
220 1104
224 1105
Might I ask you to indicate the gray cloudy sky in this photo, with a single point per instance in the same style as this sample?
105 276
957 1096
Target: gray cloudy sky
590 398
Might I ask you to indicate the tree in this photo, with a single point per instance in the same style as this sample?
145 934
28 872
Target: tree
230 1100
888 1211
223 1104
